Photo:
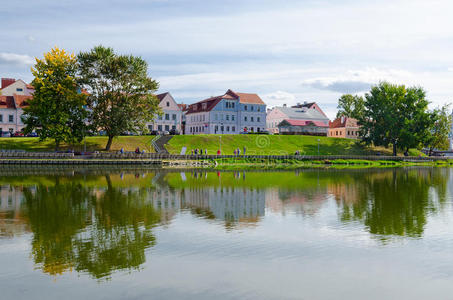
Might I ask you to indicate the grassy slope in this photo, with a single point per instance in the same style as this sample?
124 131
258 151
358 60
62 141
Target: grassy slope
94 143
272 144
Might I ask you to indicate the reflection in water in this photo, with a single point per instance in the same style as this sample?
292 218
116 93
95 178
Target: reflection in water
98 224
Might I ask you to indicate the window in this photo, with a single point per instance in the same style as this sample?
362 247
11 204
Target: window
227 117
1 118
232 104
19 90
167 117
204 105
259 108
258 119
168 103
216 128
173 127
173 116
221 128
216 117
251 119
251 107
233 128
159 127
228 128
160 117
232 117
245 119
245 107
150 127
10 118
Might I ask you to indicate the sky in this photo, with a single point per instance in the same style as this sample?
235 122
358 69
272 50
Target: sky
285 51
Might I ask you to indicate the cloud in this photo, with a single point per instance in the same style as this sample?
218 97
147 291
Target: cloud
15 59
278 98
346 86
356 81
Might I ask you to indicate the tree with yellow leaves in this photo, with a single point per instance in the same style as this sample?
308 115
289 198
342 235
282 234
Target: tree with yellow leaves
57 108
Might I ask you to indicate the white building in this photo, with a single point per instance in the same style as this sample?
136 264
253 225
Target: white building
231 113
171 119
13 98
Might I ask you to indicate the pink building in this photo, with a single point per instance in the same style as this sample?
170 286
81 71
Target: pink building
307 114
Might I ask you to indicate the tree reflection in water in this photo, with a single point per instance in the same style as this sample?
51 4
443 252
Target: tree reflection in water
396 202
89 230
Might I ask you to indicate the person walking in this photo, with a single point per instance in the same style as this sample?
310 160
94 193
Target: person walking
243 153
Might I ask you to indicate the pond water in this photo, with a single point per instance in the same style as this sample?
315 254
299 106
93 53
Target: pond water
154 234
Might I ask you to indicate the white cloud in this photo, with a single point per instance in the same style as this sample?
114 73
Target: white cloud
16 59
279 98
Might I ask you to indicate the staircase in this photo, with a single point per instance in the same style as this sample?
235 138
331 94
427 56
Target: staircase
159 143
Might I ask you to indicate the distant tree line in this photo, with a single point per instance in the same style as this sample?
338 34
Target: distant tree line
398 116
97 90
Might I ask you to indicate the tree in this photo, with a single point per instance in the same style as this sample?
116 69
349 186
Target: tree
395 115
57 108
351 106
440 129
120 92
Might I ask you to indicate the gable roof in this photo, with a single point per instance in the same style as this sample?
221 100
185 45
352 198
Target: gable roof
303 114
162 96
302 123
21 100
343 122
211 102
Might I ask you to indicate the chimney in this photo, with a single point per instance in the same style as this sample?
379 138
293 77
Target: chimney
298 104
305 102
284 105
342 119
7 81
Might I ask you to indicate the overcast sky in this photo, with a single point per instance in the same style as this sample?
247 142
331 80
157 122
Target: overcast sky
286 51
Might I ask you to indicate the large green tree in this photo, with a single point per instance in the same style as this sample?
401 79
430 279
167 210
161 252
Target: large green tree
439 130
395 115
351 106
121 95
57 108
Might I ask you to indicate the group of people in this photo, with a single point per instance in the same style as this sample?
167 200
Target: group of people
237 151
137 151
199 151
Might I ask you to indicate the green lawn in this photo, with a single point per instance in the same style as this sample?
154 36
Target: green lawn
255 144
93 143
272 145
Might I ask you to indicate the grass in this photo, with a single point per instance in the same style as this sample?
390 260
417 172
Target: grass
274 145
93 143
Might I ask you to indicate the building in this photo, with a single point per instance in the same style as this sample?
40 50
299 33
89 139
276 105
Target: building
13 99
302 118
305 127
344 127
230 113
171 118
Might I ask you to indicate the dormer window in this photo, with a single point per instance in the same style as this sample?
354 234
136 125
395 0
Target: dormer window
204 105
195 107
168 104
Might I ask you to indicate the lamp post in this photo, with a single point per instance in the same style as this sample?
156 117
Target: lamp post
220 144
318 146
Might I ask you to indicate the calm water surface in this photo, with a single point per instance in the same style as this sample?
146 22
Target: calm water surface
147 234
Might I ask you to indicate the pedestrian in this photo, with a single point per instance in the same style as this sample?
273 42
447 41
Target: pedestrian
205 151
244 150
192 151
137 150
218 152
234 152
238 151
122 150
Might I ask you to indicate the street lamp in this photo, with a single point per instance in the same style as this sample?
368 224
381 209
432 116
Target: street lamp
318 146
220 144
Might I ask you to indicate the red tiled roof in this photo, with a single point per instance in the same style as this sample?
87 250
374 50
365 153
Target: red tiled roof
30 87
212 102
182 106
7 102
343 122
21 100
161 96
305 123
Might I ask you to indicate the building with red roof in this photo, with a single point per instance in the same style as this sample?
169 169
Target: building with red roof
230 113
344 127
14 95
171 118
